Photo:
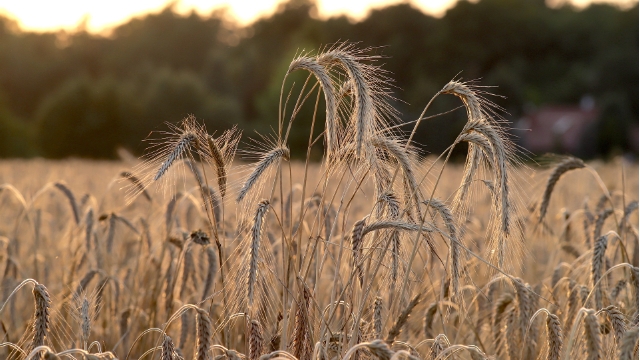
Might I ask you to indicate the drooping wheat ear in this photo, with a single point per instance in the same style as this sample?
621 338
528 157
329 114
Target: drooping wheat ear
41 315
398 225
429 314
321 74
563 167
256 341
168 215
186 140
454 250
203 334
88 230
387 200
256 234
500 167
167 348
440 344
112 232
599 249
187 268
72 200
558 273
499 311
379 349
629 344
85 321
571 250
402 319
511 335
554 337
630 208
211 272
475 112
586 223
396 150
524 303
377 317
356 246
301 345
634 285
184 329
592 335
84 282
471 166
270 158
218 160
138 186
599 222
617 321
620 285
364 110
473 103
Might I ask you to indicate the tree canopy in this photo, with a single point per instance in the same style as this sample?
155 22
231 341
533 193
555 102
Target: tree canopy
81 94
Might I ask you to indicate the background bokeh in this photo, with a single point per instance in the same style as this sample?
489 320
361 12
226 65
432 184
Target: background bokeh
567 78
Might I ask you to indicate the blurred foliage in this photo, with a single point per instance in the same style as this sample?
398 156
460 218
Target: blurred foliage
81 94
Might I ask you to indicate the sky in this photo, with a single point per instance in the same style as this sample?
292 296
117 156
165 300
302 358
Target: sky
100 15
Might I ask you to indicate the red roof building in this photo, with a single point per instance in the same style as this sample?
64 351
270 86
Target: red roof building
558 129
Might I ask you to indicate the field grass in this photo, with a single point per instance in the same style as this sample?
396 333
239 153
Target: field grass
376 252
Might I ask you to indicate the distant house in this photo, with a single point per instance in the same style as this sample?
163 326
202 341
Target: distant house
559 129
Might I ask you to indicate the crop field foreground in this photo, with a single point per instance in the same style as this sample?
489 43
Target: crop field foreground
209 248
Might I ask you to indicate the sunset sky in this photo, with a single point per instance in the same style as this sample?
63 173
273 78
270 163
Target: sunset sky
45 15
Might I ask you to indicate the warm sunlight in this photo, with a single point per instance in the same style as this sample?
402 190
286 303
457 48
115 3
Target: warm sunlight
43 15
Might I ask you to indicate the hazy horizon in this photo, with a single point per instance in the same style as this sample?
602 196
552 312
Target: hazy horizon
99 17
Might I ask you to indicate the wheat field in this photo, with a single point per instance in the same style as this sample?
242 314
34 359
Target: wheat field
208 248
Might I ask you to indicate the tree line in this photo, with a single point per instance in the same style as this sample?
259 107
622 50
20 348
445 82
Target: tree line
82 94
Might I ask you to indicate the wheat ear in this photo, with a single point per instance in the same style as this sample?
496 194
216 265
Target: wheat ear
560 169
629 345
256 233
377 317
454 250
218 161
402 319
599 249
41 316
301 341
324 79
592 335
203 335
182 145
429 314
440 344
356 246
265 162
617 321
554 337
256 341
211 272
167 348
599 222
72 200
85 321
499 310
364 110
